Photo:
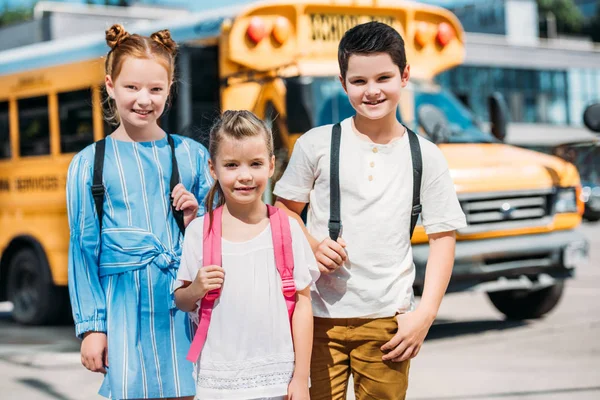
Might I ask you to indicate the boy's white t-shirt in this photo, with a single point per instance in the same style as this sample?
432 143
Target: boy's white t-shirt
248 351
376 185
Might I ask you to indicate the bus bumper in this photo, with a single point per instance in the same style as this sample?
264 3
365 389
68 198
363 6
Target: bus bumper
526 262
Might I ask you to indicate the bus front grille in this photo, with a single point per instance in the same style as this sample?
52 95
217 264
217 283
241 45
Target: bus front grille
487 212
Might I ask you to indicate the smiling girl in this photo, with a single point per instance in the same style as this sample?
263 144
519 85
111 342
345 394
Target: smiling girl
249 352
126 222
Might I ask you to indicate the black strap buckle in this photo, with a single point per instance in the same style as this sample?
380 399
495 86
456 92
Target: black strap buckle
97 190
416 210
335 225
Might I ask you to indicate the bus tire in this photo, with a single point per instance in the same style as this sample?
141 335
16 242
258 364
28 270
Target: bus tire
520 305
35 298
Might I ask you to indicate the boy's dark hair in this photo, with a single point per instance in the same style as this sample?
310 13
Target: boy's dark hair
369 38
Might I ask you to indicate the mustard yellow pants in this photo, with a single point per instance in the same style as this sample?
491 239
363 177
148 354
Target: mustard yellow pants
352 345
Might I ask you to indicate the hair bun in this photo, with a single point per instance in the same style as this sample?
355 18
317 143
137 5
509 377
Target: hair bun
115 35
164 37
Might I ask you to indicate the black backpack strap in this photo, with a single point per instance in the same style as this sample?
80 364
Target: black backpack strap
335 218
417 163
97 185
177 214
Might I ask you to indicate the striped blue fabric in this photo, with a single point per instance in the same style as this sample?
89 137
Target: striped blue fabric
123 284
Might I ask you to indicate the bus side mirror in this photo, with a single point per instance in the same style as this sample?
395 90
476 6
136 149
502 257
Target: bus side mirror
591 117
498 115
298 105
434 123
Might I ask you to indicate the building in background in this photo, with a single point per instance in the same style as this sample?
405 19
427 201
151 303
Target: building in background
548 81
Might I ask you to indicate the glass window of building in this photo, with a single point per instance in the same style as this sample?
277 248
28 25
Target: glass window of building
34 132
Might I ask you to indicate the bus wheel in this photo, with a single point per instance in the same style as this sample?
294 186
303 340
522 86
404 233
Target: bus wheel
34 297
519 305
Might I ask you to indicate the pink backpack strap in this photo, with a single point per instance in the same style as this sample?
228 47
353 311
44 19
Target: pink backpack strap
211 255
284 256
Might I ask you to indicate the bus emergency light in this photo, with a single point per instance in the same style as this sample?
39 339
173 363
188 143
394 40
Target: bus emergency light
445 34
256 30
425 34
281 30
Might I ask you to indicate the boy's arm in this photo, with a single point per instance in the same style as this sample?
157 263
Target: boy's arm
437 273
330 255
302 329
414 326
294 209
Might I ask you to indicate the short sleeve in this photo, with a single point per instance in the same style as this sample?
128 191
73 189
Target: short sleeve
299 176
204 180
191 255
305 266
441 209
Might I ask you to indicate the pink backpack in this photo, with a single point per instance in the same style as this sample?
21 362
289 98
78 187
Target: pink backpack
282 243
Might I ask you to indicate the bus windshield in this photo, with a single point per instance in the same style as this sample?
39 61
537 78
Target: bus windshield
327 103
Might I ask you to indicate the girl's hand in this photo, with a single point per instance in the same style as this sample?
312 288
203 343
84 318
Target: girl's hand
208 278
298 389
94 351
330 255
186 201
406 343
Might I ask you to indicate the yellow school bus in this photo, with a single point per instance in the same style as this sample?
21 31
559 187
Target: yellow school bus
279 59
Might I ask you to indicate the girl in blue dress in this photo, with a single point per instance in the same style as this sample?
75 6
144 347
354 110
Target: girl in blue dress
126 214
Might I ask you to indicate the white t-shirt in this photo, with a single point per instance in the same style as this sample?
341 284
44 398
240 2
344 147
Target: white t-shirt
376 183
248 351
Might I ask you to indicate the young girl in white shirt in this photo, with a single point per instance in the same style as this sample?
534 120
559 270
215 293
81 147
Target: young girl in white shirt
250 350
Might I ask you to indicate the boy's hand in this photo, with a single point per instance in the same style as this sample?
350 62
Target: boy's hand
186 201
208 278
406 343
330 255
94 351
298 389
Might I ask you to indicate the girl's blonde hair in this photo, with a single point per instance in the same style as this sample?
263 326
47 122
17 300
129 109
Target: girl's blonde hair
238 124
158 46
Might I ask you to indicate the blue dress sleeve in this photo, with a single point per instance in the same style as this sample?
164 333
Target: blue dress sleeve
88 301
204 180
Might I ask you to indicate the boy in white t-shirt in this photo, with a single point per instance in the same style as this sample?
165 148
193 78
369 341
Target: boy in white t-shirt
366 322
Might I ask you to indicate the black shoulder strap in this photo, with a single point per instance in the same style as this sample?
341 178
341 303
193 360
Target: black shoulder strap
335 218
177 214
97 185
417 163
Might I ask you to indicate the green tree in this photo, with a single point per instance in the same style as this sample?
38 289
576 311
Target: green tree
566 14
11 16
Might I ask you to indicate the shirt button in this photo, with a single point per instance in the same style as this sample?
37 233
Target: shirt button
375 150
372 164
370 177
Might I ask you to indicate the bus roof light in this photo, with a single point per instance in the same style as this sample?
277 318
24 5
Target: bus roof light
445 34
256 30
281 30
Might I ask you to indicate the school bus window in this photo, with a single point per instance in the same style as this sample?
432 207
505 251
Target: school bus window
34 126
4 131
76 121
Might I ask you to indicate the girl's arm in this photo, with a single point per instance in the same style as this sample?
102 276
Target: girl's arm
302 328
88 301
193 280
87 296
208 278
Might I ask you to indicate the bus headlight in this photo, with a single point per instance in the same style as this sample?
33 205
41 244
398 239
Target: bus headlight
566 200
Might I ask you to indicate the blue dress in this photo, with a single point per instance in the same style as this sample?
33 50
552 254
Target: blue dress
123 284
